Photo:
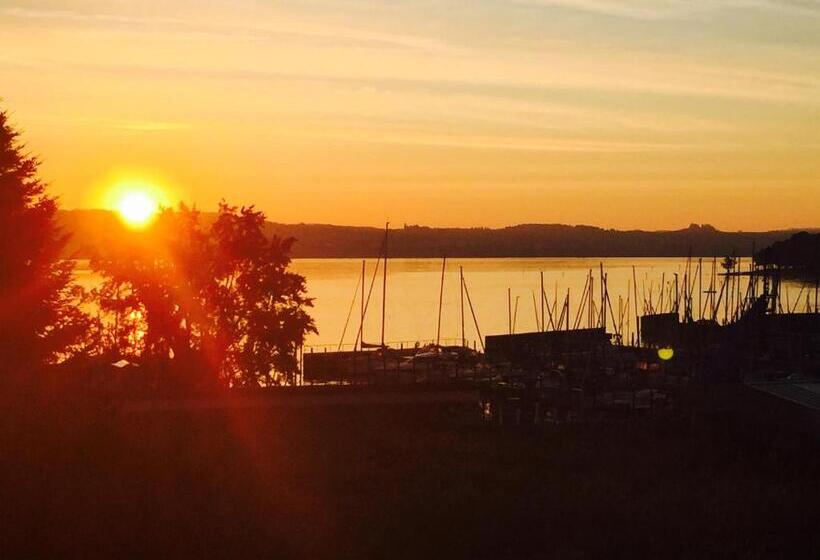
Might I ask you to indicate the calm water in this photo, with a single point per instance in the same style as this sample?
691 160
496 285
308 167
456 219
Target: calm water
413 293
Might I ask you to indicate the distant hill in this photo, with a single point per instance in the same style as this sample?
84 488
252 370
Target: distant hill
94 231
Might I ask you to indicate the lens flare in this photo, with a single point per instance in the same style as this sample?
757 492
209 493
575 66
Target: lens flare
666 354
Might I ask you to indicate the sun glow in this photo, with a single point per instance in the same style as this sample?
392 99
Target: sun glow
137 203
137 208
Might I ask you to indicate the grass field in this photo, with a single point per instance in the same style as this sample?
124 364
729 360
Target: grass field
404 481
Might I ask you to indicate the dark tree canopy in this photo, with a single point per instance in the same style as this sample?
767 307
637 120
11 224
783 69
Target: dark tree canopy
206 305
39 317
801 251
214 305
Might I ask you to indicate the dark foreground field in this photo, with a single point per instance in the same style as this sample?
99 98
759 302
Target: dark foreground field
401 481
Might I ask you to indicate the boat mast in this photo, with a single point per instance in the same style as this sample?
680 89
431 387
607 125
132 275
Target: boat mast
637 317
700 288
384 281
361 320
509 311
472 312
543 324
440 300
603 297
461 277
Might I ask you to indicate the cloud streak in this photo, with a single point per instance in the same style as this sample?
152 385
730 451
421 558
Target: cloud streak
657 10
305 30
249 95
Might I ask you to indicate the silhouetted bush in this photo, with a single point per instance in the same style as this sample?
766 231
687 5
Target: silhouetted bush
205 306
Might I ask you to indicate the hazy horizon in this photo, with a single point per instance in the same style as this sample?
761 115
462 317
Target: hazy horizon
380 225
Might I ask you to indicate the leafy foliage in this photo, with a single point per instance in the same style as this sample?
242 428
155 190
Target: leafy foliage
215 305
728 263
801 251
40 315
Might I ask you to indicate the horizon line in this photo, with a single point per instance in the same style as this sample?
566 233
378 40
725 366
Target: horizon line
692 225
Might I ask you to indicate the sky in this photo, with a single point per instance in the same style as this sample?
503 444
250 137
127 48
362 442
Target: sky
649 114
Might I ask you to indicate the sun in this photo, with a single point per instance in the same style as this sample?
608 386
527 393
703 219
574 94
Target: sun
137 207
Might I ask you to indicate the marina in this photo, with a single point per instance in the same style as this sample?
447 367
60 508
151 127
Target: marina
707 322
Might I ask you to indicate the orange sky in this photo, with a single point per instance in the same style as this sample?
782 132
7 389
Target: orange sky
648 113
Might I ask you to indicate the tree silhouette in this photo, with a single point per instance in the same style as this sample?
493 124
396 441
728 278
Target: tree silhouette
800 252
257 300
203 304
40 320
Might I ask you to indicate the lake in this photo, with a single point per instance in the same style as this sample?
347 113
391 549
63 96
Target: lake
413 294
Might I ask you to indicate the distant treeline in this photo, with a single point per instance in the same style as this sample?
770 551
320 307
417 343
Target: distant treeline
95 230
801 252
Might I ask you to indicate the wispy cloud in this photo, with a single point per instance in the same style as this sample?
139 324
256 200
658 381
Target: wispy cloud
690 81
234 94
495 142
130 125
654 10
150 126
305 30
